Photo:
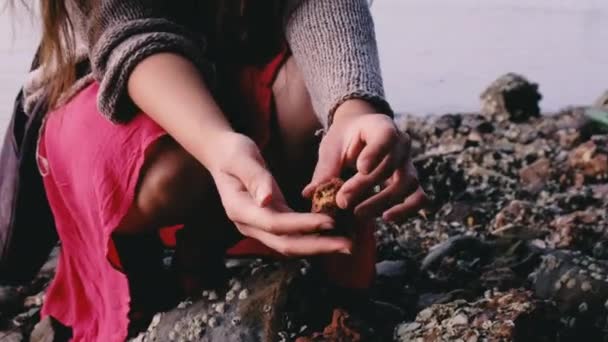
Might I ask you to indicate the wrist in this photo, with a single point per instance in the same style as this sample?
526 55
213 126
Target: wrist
351 109
211 154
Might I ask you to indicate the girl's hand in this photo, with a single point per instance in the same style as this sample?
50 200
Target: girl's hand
254 202
371 144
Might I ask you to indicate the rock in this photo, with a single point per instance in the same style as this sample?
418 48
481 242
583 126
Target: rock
578 284
535 175
520 219
11 336
447 122
43 331
392 268
501 316
580 230
281 303
589 161
602 101
511 97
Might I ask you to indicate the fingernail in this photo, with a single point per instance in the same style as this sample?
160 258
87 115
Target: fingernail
346 251
342 203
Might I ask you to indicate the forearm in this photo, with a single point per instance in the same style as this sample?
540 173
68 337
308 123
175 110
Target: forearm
169 89
334 44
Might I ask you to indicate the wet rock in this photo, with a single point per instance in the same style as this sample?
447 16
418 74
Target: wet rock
572 279
511 97
510 316
578 284
392 269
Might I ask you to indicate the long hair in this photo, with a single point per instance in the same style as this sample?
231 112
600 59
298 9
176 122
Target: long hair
240 25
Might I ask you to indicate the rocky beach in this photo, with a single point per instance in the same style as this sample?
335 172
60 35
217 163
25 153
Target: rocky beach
513 246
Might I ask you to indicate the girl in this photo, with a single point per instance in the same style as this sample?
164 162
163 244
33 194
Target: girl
203 114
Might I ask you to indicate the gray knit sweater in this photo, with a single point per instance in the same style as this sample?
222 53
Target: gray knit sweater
332 41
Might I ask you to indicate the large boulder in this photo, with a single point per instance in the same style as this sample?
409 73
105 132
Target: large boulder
511 97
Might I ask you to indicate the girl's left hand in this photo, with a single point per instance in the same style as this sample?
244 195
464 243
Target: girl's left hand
380 154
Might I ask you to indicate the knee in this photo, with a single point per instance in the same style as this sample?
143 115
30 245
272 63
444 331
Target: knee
171 185
171 179
296 118
292 99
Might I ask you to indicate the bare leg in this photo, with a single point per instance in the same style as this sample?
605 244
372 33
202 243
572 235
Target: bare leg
294 145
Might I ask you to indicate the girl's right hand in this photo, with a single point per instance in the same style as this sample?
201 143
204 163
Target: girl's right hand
254 202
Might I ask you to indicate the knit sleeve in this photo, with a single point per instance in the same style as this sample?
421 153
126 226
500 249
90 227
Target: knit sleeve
122 33
334 44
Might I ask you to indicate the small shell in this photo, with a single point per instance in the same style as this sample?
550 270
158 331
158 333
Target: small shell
243 294
583 307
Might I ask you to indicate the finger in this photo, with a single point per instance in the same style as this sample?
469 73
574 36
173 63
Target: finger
411 205
298 246
378 143
277 220
399 186
328 166
360 185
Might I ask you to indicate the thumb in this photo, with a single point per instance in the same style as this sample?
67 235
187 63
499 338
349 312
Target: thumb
256 179
328 166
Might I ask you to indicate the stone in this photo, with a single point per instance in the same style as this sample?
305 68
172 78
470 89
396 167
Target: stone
500 316
589 160
581 287
535 175
273 304
511 97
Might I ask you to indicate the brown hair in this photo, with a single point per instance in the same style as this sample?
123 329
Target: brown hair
57 50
